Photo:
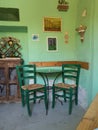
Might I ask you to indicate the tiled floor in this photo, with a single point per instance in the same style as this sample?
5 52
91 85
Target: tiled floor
14 117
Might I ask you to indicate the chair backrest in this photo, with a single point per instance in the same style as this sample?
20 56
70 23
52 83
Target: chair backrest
26 73
71 73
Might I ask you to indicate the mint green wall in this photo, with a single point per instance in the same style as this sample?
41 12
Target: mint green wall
38 50
84 50
31 15
87 51
95 49
87 21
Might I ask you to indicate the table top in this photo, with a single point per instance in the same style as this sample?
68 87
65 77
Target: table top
49 69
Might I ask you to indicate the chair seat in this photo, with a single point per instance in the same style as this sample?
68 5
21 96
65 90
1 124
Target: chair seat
32 87
63 85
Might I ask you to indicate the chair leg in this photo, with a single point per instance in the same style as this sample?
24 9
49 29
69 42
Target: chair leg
53 97
28 104
23 98
76 98
46 100
70 101
34 96
64 93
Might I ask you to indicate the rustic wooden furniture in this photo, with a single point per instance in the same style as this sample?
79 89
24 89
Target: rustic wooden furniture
90 119
9 89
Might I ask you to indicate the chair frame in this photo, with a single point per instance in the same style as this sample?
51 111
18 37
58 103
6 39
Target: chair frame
27 72
69 71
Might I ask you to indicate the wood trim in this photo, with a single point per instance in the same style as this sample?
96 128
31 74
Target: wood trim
84 65
52 63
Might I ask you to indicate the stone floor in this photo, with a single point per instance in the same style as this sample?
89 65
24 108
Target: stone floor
14 117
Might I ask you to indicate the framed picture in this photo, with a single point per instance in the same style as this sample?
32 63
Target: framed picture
52 24
52 44
35 37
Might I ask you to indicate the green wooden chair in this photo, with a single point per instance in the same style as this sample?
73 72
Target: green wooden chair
29 92
68 88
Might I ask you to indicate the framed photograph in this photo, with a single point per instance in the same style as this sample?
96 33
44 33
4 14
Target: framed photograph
52 44
52 24
35 37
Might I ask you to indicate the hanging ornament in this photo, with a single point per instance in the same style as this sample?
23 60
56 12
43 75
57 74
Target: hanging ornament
66 37
62 5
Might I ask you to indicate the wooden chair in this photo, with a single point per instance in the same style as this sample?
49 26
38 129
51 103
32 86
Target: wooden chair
29 92
68 88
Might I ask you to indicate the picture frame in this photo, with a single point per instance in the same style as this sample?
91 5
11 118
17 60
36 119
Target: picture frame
35 37
52 45
52 24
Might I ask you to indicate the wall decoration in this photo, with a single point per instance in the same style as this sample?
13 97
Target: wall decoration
81 31
66 37
52 24
84 13
10 47
9 14
63 5
52 44
35 37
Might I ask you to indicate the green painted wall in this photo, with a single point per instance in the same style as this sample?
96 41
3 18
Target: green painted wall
95 50
88 50
84 49
31 15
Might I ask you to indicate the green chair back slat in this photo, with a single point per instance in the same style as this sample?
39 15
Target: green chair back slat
71 71
27 72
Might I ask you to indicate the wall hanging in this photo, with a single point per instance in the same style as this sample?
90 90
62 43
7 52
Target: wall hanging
52 24
35 37
84 13
52 44
81 30
9 14
9 47
63 5
66 37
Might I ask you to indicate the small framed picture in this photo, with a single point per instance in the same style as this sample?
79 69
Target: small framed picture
52 44
52 24
35 37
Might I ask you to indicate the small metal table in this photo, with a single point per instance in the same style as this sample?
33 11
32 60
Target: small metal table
45 72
